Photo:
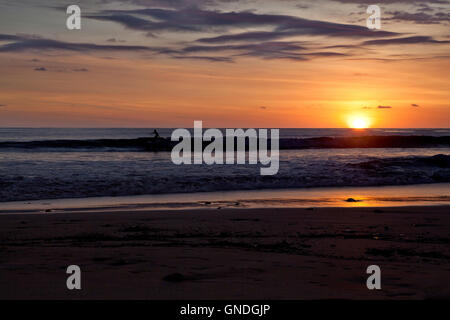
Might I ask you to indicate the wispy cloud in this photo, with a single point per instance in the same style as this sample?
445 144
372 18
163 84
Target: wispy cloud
25 44
224 36
198 20
405 40
419 17
368 2
266 50
206 58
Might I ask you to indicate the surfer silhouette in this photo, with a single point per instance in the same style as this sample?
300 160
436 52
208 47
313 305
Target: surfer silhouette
156 134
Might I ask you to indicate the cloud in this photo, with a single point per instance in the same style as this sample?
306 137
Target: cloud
25 44
247 36
174 4
260 47
384 107
180 4
9 37
40 69
419 17
291 50
414 105
206 58
225 33
255 36
406 40
2 105
193 19
369 2
287 55
266 50
114 40
263 107
81 70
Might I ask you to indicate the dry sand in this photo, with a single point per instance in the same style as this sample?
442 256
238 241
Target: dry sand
319 253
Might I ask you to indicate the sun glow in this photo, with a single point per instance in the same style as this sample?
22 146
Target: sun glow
358 122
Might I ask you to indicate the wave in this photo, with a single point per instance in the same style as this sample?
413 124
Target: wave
439 161
165 144
406 170
98 178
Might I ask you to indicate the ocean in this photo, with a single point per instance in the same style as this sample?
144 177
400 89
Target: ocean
43 163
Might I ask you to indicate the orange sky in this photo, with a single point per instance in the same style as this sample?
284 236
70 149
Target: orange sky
389 84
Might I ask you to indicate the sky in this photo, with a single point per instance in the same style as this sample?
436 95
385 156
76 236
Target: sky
229 63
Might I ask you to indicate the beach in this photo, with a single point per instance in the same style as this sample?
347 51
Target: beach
140 227
228 253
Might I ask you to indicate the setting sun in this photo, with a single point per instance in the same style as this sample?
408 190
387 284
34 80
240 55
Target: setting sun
358 122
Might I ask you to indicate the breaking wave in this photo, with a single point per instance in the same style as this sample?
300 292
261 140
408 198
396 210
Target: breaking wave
164 144
98 177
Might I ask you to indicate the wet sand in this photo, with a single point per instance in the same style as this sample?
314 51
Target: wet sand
289 253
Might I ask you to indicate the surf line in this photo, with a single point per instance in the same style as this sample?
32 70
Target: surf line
235 153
